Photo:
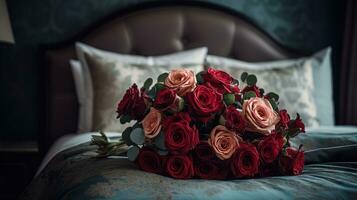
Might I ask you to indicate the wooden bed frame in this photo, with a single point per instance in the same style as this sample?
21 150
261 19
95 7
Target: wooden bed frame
149 29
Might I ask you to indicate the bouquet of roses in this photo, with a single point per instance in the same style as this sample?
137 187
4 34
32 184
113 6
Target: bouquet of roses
205 126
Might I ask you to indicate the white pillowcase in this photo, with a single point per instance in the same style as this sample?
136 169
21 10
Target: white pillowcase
320 110
83 80
85 107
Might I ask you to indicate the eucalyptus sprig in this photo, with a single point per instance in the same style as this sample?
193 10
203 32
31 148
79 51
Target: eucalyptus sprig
106 147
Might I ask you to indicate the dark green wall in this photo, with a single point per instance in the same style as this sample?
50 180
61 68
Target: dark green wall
302 24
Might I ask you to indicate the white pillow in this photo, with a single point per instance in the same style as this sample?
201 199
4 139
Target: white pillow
319 94
86 98
85 108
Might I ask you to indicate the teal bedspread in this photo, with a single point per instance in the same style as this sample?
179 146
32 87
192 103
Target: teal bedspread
330 173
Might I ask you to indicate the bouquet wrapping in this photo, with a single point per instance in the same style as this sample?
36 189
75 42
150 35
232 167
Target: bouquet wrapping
207 125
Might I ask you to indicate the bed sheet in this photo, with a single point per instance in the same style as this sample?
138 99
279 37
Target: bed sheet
73 173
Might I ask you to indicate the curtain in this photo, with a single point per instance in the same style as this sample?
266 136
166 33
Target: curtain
347 109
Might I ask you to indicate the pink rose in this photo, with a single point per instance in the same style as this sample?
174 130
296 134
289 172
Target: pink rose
181 80
152 123
260 115
223 142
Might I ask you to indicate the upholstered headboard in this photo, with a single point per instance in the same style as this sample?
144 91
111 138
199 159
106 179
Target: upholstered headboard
151 30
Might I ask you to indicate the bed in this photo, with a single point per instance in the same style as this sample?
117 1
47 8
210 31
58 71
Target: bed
70 171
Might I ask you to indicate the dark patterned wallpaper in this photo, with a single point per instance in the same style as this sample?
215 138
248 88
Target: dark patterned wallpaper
304 24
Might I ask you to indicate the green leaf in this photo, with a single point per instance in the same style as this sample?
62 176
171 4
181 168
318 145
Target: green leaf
159 86
162 77
119 151
137 136
160 141
273 95
181 105
222 120
137 125
229 99
126 136
273 104
261 91
249 95
98 140
124 119
103 135
243 77
133 153
199 78
251 79
152 93
155 89
147 84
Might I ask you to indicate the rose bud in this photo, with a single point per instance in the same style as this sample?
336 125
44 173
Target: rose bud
220 80
152 123
181 80
180 166
149 161
253 88
291 161
223 142
296 126
213 169
204 102
180 137
245 162
132 104
284 118
259 115
270 147
234 120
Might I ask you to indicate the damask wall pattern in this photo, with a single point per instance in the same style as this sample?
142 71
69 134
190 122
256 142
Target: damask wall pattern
305 25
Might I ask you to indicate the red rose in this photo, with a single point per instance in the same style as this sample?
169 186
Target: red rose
204 102
180 167
291 161
203 151
221 81
180 137
213 169
284 118
296 126
245 162
253 88
234 120
149 161
270 147
165 98
132 104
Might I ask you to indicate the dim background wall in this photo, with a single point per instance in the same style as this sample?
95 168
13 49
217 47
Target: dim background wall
301 24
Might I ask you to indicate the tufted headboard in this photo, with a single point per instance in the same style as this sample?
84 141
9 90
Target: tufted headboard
152 29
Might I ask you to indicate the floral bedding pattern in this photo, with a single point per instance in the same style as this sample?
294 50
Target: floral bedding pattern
330 173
